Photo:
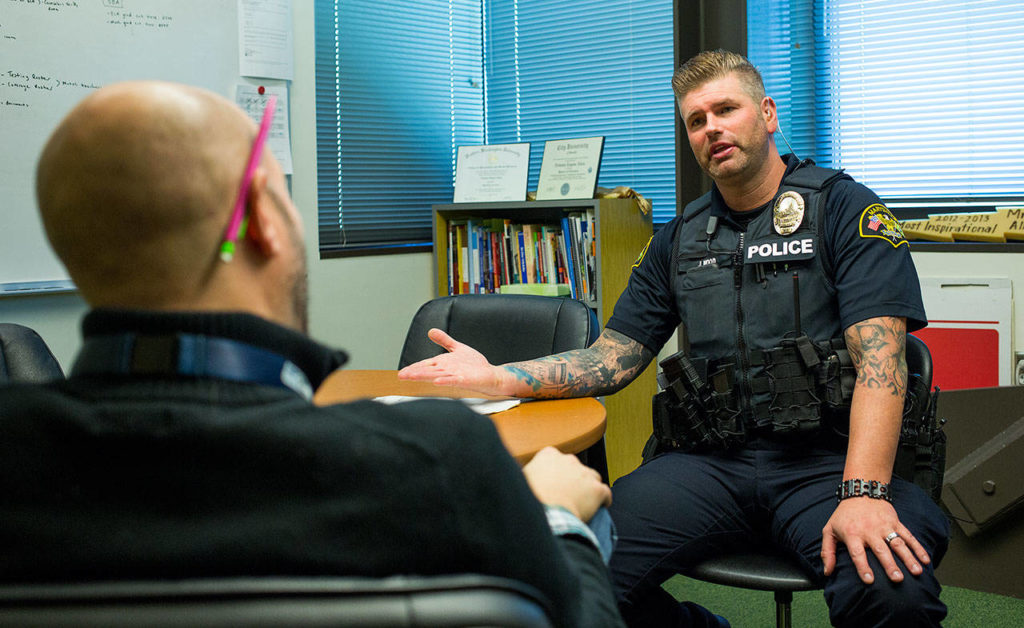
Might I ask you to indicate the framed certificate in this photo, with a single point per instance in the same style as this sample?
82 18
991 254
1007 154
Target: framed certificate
491 172
569 168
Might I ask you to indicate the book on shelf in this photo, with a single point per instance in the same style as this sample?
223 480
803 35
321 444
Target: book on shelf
590 253
461 259
558 242
567 252
581 262
473 255
543 289
529 255
547 247
538 256
515 258
487 235
522 255
453 269
486 255
485 258
508 267
495 258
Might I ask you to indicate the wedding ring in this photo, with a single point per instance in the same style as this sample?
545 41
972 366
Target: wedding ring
889 537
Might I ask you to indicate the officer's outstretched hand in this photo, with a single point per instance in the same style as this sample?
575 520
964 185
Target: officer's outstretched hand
461 366
862 524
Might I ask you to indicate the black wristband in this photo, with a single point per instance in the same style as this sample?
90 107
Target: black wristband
863 488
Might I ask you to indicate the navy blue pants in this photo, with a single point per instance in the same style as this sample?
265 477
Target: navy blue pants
680 508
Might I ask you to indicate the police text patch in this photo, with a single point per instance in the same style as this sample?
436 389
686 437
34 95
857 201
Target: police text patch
876 221
781 250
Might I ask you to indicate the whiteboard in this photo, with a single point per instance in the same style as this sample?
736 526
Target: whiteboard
52 54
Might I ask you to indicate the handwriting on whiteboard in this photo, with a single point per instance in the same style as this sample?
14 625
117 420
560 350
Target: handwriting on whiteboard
20 89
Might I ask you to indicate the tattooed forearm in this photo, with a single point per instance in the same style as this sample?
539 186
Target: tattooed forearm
877 348
606 366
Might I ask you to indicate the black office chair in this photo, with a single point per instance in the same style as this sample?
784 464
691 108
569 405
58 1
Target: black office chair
769 569
24 357
503 327
919 360
458 601
508 328
765 569
924 465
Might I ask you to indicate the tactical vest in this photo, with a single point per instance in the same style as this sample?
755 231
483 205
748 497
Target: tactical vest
766 353
767 362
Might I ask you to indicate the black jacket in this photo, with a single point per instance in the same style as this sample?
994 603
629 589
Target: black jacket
166 476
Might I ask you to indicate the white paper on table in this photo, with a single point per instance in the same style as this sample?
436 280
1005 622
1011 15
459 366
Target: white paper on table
251 101
482 406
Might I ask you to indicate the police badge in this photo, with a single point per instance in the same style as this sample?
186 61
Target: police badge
788 212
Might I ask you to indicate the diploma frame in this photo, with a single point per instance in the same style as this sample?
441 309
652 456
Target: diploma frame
569 168
488 173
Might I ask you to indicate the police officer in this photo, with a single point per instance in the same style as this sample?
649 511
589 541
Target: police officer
784 277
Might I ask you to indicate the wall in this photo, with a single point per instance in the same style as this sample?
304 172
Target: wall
361 304
364 304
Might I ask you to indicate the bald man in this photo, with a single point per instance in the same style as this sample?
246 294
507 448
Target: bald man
185 444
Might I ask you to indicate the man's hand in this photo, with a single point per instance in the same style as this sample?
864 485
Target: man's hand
877 349
862 524
605 367
461 366
558 479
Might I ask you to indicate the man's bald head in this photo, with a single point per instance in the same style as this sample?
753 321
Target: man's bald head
135 188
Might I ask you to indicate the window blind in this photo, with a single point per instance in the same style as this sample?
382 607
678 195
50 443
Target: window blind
398 87
921 101
786 43
401 85
558 70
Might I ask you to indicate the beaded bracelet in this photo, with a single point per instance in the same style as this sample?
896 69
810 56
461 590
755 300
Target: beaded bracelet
863 488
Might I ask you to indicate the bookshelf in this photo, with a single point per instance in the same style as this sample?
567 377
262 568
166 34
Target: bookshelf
620 232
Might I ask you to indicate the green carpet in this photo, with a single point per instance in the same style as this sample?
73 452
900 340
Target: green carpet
756 609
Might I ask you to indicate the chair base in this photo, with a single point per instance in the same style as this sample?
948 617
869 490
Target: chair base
784 609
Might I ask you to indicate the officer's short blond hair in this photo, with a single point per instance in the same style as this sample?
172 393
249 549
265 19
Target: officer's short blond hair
715 64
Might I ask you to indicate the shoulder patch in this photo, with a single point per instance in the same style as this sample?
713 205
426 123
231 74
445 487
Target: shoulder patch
876 221
643 253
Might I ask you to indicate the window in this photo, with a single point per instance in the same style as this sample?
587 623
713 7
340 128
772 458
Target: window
559 69
921 101
400 85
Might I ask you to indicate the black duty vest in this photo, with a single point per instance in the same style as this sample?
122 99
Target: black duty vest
735 292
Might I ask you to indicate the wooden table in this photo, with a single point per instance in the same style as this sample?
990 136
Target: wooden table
571 425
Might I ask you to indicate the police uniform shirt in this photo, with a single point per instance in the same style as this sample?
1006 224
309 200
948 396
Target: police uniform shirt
873 272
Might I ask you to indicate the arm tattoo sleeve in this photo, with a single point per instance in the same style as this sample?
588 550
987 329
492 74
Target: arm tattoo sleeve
878 349
608 365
